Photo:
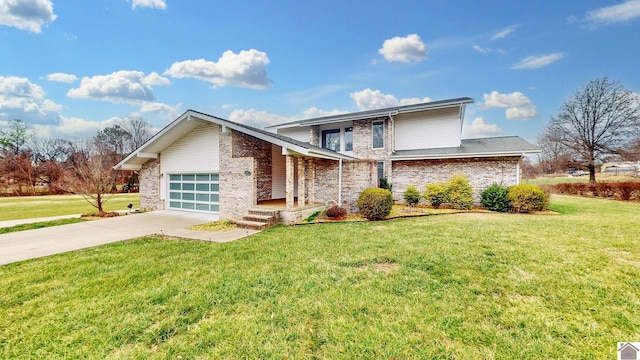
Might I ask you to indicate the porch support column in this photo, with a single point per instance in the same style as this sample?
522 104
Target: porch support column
311 169
302 179
290 175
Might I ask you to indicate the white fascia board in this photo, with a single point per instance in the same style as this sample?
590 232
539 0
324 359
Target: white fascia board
463 156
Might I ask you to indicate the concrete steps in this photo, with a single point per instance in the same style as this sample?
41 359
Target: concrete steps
259 219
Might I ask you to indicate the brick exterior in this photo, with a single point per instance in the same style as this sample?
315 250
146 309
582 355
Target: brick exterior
357 175
481 172
247 146
363 143
150 186
237 190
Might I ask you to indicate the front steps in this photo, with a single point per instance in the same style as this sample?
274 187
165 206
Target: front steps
259 219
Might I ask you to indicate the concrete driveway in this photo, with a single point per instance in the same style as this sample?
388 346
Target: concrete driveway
31 244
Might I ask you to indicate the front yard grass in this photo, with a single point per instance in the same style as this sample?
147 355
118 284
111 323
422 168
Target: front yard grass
463 286
26 207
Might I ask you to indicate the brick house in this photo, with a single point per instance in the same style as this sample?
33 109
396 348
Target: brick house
204 163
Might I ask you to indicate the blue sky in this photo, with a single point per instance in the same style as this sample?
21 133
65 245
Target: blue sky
70 68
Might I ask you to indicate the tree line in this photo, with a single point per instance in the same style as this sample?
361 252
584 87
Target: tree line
32 165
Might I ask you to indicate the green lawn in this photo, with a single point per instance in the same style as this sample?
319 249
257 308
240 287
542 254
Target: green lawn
579 179
463 286
25 207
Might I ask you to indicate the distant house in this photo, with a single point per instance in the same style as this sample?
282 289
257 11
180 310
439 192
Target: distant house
204 163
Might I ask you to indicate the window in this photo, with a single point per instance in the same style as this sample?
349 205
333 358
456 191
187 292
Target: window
348 139
378 134
331 139
380 172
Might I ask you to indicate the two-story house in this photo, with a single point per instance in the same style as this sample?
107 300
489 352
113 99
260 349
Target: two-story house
204 163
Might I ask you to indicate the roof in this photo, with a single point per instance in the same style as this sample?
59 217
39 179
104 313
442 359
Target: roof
376 113
192 119
485 147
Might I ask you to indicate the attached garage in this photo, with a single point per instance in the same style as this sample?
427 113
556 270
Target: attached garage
194 192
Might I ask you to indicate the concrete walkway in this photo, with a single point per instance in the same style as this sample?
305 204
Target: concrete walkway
31 244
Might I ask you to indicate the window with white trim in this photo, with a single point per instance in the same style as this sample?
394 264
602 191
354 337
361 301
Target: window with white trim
377 133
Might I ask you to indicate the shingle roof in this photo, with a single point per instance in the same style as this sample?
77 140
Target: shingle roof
485 147
375 113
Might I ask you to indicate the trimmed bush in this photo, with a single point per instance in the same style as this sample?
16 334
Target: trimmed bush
460 193
375 203
525 198
436 194
336 211
385 184
496 198
412 195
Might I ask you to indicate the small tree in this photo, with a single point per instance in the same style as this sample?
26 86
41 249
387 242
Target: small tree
496 198
90 173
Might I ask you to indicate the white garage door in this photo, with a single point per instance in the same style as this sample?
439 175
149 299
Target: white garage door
194 192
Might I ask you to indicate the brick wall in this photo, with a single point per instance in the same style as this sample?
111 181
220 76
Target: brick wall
150 186
237 190
357 175
481 172
244 145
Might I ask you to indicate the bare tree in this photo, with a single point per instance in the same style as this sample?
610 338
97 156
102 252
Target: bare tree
90 173
112 139
596 121
139 131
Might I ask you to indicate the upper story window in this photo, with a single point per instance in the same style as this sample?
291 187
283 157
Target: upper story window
331 139
377 133
348 139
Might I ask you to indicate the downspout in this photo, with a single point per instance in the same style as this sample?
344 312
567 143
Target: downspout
393 132
340 182
518 169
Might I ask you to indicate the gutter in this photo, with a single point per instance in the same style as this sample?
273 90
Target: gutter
461 156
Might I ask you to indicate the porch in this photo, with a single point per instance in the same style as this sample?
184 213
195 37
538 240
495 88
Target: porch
271 212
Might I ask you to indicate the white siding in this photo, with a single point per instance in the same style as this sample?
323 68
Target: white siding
198 151
278 173
297 133
427 129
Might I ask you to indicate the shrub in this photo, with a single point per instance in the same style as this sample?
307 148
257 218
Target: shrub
460 193
525 198
385 184
436 194
496 198
336 211
412 195
375 203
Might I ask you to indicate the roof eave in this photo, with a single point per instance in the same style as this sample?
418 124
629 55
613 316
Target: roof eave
464 156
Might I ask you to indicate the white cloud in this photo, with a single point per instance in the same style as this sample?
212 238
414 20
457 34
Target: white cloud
28 15
503 33
368 99
62 77
154 4
479 48
536 62
623 12
130 87
21 99
404 49
74 128
479 128
246 69
517 104
257 118
119 86
314 112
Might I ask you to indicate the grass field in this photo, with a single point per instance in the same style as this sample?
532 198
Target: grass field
25 207
548 180
463 286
